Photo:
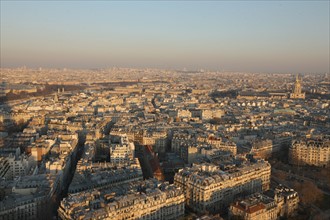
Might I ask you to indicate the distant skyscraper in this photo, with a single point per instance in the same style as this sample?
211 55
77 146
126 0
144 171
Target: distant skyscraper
296 93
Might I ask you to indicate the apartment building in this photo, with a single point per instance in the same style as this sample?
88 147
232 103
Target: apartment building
271 205
209 188
310 152
148 199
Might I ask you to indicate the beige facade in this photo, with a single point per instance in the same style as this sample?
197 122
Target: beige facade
262 148
14 166
189 153
280 202
155 202
123 152
179 140
208 188
211 113
310 152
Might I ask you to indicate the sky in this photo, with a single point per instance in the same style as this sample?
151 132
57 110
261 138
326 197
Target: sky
249 36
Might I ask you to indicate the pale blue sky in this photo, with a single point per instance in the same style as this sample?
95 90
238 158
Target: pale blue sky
266 36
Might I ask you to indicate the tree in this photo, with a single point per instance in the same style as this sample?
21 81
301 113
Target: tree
280 175
325 172
309 193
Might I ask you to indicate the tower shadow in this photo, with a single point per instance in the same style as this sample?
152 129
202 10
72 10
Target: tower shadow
10 122
6 122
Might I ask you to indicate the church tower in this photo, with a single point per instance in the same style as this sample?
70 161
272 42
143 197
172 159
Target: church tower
296 93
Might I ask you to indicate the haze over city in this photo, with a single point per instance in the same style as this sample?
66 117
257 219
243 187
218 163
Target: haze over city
164 110
251 36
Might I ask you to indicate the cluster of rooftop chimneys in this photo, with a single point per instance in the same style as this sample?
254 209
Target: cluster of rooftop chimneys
59 90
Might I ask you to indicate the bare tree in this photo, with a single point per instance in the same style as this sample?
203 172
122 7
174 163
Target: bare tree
309 193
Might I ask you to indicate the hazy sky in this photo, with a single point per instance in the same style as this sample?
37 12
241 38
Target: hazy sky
266 36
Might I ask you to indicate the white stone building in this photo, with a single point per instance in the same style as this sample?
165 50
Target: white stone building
310 152
208 188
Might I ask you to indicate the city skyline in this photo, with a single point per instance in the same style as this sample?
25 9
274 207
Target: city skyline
125 143
272 36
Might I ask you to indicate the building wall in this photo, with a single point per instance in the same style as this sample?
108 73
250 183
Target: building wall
18 166
262 149
310 152
35 208
166 202
259 206
214 192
